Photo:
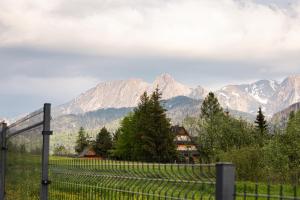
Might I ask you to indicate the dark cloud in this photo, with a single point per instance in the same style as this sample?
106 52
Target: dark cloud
40 63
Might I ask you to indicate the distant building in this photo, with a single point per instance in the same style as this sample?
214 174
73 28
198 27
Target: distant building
88 152
186 146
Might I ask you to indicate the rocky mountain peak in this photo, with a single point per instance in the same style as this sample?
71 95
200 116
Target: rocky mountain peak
269 94
122 93
170 87
164 79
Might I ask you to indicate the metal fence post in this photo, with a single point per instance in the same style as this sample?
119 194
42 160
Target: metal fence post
225 181
45 152
3 160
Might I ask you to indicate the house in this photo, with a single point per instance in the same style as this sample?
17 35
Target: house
186 146
88 152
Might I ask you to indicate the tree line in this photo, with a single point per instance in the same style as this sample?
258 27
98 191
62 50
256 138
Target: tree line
145 135
256 151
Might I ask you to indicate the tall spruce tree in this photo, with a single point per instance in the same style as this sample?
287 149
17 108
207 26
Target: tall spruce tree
164 146
82 141
261 124
103 143
145 134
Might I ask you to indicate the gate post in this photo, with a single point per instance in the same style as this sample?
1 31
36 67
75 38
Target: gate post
3 160
45 152
225 181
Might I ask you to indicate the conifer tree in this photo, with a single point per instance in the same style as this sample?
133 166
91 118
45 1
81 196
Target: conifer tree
145 134
261 123
103 143
164 146
116 137
82 141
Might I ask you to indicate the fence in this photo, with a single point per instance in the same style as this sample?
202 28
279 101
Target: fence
92 179
24 157
256 190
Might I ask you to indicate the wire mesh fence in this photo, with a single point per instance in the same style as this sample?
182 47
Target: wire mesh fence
24 157
267 187
24 173
92 179
25 148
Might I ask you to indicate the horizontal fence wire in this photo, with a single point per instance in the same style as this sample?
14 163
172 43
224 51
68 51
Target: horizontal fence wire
26 123
267 190
93 179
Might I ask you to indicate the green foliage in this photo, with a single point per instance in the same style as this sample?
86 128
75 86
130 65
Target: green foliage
291 141
116 137
219 132
103 143
191 125
211 108
261 126
210 123
275 159
60 150
145 134
82 140
255 152
248 160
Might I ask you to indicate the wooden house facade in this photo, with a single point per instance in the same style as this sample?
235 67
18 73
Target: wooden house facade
185 144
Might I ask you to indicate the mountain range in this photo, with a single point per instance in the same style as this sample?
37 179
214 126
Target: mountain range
271 95
108 102
126 93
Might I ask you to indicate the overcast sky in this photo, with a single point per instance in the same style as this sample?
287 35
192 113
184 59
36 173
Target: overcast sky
53 50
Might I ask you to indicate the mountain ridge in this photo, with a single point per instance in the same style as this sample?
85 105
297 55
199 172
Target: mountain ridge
271 95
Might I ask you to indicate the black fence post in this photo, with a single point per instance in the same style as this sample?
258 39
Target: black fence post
225 181
3 160
45 152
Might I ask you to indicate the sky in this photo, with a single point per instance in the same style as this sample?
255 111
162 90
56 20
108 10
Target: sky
53 50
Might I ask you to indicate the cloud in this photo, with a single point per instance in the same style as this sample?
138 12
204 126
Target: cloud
219 30
67 46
